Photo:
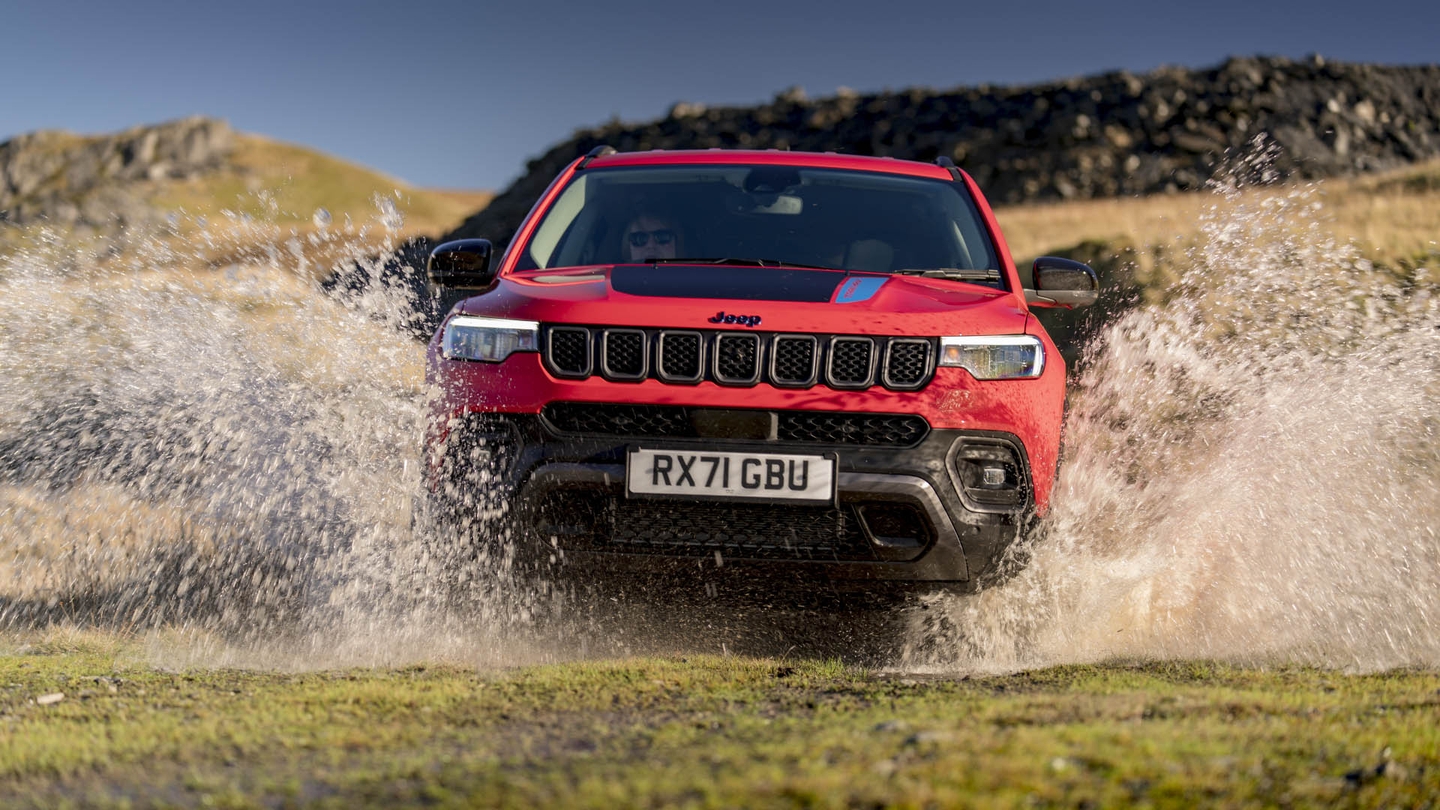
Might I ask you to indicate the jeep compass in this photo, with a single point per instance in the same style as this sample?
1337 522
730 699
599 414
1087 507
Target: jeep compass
802 373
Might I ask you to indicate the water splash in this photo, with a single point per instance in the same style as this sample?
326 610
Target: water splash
196 437
201 442
1251 470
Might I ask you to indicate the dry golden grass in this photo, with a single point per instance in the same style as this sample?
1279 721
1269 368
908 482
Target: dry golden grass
285 185
102 530
1390 216
273 203
267 204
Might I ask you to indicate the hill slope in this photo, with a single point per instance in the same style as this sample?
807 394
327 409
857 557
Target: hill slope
179 175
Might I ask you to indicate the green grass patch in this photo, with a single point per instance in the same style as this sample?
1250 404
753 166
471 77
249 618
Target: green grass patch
710 732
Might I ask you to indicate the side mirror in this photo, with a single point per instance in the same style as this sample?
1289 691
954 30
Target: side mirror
1063 283
461 264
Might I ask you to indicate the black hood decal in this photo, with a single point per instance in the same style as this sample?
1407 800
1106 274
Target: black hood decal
717 281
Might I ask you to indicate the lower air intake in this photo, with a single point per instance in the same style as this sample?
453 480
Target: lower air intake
741 531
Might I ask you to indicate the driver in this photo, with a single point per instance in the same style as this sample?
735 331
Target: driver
650 236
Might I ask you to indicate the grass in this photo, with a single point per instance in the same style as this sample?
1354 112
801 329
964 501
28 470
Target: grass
708 732
285 185
1390 216
701 731
1142 246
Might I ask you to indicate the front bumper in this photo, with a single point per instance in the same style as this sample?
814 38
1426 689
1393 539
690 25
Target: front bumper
905 519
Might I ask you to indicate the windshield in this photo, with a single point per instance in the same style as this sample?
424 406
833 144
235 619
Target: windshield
847 220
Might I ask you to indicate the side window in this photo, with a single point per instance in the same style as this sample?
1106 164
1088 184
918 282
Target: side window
557 221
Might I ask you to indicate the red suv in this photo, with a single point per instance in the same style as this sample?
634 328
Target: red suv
720 369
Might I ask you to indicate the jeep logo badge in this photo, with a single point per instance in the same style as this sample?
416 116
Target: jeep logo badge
743 320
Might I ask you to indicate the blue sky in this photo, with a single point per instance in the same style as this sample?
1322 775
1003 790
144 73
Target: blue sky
460 94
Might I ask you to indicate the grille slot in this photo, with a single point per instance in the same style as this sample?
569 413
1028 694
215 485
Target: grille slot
681 357
872 429
620 420
674 421
794 360
737 359
741 531
568 351
852 362
623 355
907 363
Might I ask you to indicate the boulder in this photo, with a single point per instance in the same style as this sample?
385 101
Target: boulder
94 182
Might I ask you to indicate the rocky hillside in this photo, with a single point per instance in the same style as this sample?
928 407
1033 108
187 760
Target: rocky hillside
201 169
1099 136
71 180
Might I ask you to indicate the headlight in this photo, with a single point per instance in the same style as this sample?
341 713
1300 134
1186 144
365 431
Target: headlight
995 357
489 339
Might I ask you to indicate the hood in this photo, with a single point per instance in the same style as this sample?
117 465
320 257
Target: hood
769 299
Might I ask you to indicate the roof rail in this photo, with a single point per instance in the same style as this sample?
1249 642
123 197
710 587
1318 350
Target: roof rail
946 163
600 151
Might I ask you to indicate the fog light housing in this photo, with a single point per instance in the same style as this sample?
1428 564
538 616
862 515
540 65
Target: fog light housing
990 473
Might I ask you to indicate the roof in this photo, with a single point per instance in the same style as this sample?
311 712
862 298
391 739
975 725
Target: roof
771 157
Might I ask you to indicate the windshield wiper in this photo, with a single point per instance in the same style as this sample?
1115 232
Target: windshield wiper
734 262
951 273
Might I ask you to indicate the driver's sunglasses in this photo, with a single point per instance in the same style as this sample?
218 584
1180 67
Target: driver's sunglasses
640 239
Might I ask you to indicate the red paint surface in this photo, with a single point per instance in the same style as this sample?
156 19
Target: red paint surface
905 306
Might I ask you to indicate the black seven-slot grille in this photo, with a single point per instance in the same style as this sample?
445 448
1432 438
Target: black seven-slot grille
739 358
680 422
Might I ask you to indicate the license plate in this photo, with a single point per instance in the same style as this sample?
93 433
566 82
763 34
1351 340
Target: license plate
713 475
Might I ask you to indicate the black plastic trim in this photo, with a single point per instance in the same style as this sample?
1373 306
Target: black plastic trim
924 378
550 352
759 359
766 357
830 363
644 355
595 465
1026 488
946 163
600 151
660 357
815 356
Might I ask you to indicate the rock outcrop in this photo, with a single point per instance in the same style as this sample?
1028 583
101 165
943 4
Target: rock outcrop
99 182
1106 135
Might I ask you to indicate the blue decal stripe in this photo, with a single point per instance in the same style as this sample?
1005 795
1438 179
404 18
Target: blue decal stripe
859 289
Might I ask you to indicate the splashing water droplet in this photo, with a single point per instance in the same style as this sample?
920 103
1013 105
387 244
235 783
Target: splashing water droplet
321 218
390 215
231 460
232 455
1251 470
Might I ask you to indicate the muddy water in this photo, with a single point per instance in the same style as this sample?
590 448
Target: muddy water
1251 471
224 460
